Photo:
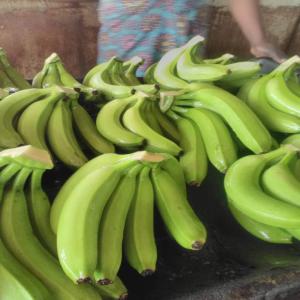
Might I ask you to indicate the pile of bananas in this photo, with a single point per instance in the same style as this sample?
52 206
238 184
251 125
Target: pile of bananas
275 97
10 79
119 193
29 268
263 193
45 116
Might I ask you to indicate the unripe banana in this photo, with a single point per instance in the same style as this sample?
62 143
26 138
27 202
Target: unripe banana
140 247
88 131
39 212
109 123
245 89
190 70
33 121
133 120
280 182
194 159
10 107
222 60
78 253
176 212
130 67
262 231
242 185
61 136
112 227
245 124
5 82
149 74
220 148
149 116
117 290
20 240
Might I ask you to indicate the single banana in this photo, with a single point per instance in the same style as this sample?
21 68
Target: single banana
32 123
20 240
140 247
149 116
78 253
39 212
117 290
220 147
10 107
109 123
88 131
262 231
52 76
12 73
61 136
242 185
168 128
194 159
244 90
134 121
5 82
16 282
149 74
112 227
130 67
281 97
176 212
222 60
245 124
190 70
280 182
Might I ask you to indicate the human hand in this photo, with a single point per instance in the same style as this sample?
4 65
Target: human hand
267 49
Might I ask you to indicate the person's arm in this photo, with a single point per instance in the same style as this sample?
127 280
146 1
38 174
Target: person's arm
247 15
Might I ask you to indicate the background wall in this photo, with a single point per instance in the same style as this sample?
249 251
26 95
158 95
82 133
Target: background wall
30 30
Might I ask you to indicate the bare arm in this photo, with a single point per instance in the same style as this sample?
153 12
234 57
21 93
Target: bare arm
247 15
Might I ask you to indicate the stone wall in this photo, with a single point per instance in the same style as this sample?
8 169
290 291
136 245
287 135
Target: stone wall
30 30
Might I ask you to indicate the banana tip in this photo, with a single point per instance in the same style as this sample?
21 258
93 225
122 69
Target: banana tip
147 272
123 296
104 281
197 245
84 280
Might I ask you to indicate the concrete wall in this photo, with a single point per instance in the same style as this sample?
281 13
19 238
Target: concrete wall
30 30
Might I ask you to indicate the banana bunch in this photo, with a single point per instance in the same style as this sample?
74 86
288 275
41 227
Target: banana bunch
10 79
117 79
136 122
118 208
48 119
275 97
28 265
204 119
54 73
263 193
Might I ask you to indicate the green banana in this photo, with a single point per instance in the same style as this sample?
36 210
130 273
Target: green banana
78 253
5 82
281 97
19 239
100 80
293 139
117 290
245 124
166 125
176 212
220 148
72 182
88 131
39 212
12 74
223 59
10 107
134 121
109 123
262 231
242 185
140 247
149 74
130 67
112 227
33 121
61 136
190 70
52 76
16 282
194 159
149 116
245 89
280 182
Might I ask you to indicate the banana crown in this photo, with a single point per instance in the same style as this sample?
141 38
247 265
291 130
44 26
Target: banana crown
28 156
